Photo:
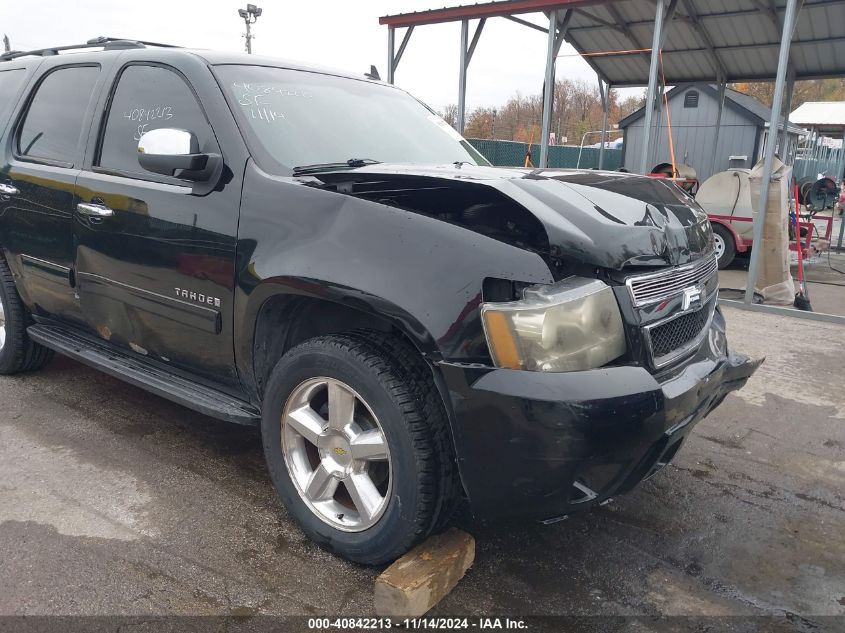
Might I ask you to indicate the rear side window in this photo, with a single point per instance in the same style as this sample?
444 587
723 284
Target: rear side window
10 83
148 98
52 126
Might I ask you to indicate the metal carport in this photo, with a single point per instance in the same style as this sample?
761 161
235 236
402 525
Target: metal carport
697 40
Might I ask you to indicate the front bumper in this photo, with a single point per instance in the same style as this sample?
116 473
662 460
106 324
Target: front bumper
544 444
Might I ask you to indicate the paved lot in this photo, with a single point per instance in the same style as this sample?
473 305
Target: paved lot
113 501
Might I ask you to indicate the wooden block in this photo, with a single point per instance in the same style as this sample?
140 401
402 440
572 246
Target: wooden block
425 575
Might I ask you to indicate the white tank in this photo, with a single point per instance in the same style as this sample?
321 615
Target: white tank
729 193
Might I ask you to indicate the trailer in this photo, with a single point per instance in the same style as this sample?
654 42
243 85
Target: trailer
729 242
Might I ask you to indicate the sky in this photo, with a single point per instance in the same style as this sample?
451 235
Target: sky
344 34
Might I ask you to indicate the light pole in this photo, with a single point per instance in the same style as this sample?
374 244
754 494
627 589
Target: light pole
249 15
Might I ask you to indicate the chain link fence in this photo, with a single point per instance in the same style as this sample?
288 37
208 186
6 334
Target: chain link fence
830 165
512 154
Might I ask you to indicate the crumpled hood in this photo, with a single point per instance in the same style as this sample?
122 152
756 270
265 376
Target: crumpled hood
616 220
606 219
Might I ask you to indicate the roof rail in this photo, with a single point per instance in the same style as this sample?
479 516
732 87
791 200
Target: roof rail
106 43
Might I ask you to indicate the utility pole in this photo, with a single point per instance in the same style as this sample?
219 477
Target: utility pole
249 15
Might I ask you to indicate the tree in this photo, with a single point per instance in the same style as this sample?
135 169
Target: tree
577 109
810 90
629 106
480 123
450 114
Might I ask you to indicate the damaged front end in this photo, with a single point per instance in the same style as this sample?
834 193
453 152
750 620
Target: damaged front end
594 380
547 444
588 227
598 219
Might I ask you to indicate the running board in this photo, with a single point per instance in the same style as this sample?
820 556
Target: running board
144 374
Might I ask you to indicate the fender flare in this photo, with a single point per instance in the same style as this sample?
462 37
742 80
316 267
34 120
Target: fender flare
294 287
364 302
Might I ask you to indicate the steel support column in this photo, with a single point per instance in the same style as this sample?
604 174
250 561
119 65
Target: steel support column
462 76
557 33
783 136
391 41
549 90
780 79
719 109
656 125
466 57
393 59
652 85
604 91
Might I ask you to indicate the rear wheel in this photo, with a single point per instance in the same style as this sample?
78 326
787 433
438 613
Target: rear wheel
17 352
356 439
725 245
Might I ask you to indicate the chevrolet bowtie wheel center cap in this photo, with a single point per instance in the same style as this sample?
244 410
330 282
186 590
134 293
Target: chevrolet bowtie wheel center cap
336 453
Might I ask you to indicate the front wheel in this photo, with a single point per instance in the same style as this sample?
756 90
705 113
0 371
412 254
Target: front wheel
357 444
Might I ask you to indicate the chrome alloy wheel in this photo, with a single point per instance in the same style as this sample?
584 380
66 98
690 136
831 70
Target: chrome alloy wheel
2 324
336 454
719 245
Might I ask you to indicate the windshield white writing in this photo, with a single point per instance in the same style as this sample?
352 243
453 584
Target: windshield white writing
256 99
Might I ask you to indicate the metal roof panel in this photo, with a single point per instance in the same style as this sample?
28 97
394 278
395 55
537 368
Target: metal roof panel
820 113
745 36
746 40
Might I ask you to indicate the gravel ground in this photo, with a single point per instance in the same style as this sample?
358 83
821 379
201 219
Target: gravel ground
115 502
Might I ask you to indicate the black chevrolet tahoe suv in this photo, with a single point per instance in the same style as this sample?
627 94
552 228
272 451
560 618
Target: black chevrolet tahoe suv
321 255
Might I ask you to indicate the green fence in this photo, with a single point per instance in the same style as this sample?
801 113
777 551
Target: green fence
511 153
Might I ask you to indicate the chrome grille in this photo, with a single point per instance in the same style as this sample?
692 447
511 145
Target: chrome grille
679 335
676 333
655 287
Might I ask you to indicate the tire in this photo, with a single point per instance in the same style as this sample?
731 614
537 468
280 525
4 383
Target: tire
725 245
17 352
415 478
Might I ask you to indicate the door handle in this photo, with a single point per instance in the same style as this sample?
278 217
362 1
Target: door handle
94 210
8 190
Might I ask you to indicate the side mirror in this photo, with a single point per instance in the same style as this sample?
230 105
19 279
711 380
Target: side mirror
168 150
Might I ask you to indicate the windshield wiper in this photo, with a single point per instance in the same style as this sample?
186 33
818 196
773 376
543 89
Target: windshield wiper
352 163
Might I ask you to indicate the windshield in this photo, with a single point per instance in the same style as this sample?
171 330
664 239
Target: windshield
294 118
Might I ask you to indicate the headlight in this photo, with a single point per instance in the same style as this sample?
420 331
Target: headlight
571 325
